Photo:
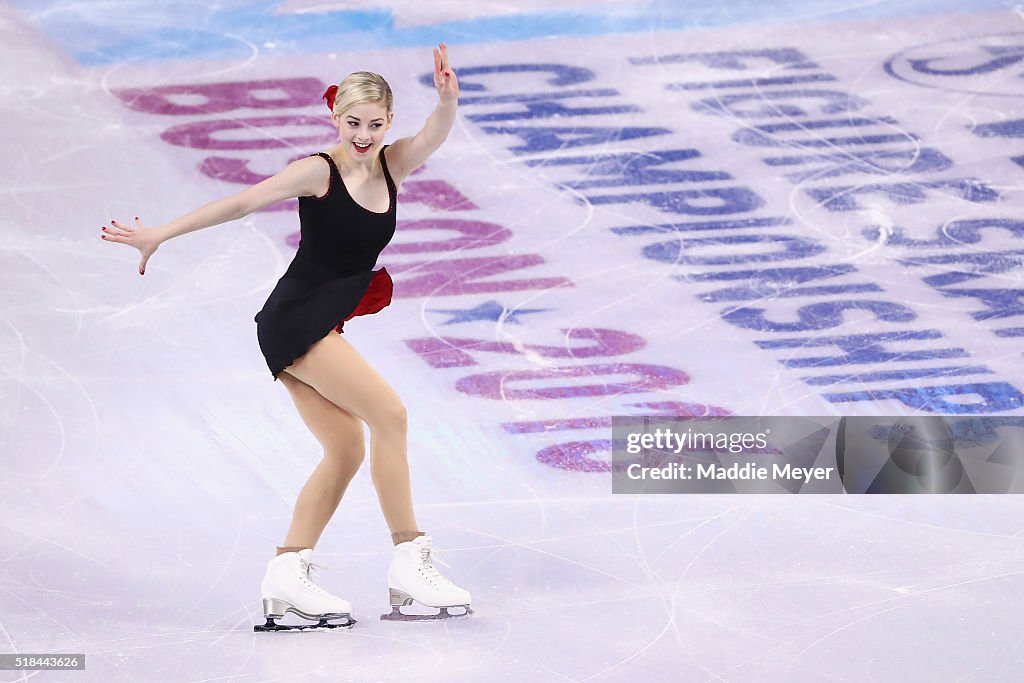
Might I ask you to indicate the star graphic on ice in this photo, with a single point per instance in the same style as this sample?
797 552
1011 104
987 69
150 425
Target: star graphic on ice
490 310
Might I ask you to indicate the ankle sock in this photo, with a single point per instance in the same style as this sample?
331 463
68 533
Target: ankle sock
403 536
290 549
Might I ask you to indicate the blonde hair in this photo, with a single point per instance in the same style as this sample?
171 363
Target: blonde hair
362 87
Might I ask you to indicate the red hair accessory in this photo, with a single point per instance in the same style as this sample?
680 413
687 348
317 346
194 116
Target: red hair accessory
331 93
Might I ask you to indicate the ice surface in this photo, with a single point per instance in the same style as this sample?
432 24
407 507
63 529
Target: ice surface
148 462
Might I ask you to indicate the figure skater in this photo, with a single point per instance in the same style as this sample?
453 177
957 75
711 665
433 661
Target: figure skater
347 199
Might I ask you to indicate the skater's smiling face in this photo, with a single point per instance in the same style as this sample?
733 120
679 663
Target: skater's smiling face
361 128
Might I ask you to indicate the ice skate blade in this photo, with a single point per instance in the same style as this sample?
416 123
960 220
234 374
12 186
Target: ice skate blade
397 614
275 609
323 623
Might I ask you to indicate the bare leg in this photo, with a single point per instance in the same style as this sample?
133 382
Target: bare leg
341 435
341 375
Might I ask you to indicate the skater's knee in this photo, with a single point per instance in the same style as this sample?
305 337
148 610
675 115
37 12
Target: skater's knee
349 455
391 417
350 452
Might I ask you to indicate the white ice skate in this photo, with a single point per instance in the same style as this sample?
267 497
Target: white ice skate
412 576
287 587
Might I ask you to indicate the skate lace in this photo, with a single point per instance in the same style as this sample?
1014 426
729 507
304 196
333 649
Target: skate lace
431 573
307 568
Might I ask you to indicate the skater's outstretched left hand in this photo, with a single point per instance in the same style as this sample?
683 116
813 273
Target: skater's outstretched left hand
407 154
444 75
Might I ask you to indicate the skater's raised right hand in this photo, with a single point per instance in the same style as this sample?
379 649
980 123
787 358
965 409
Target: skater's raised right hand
146 240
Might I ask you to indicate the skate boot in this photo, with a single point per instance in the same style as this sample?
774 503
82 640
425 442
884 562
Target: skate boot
287 587
412 577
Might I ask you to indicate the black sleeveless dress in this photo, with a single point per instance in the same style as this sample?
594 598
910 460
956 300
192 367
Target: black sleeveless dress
331 278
